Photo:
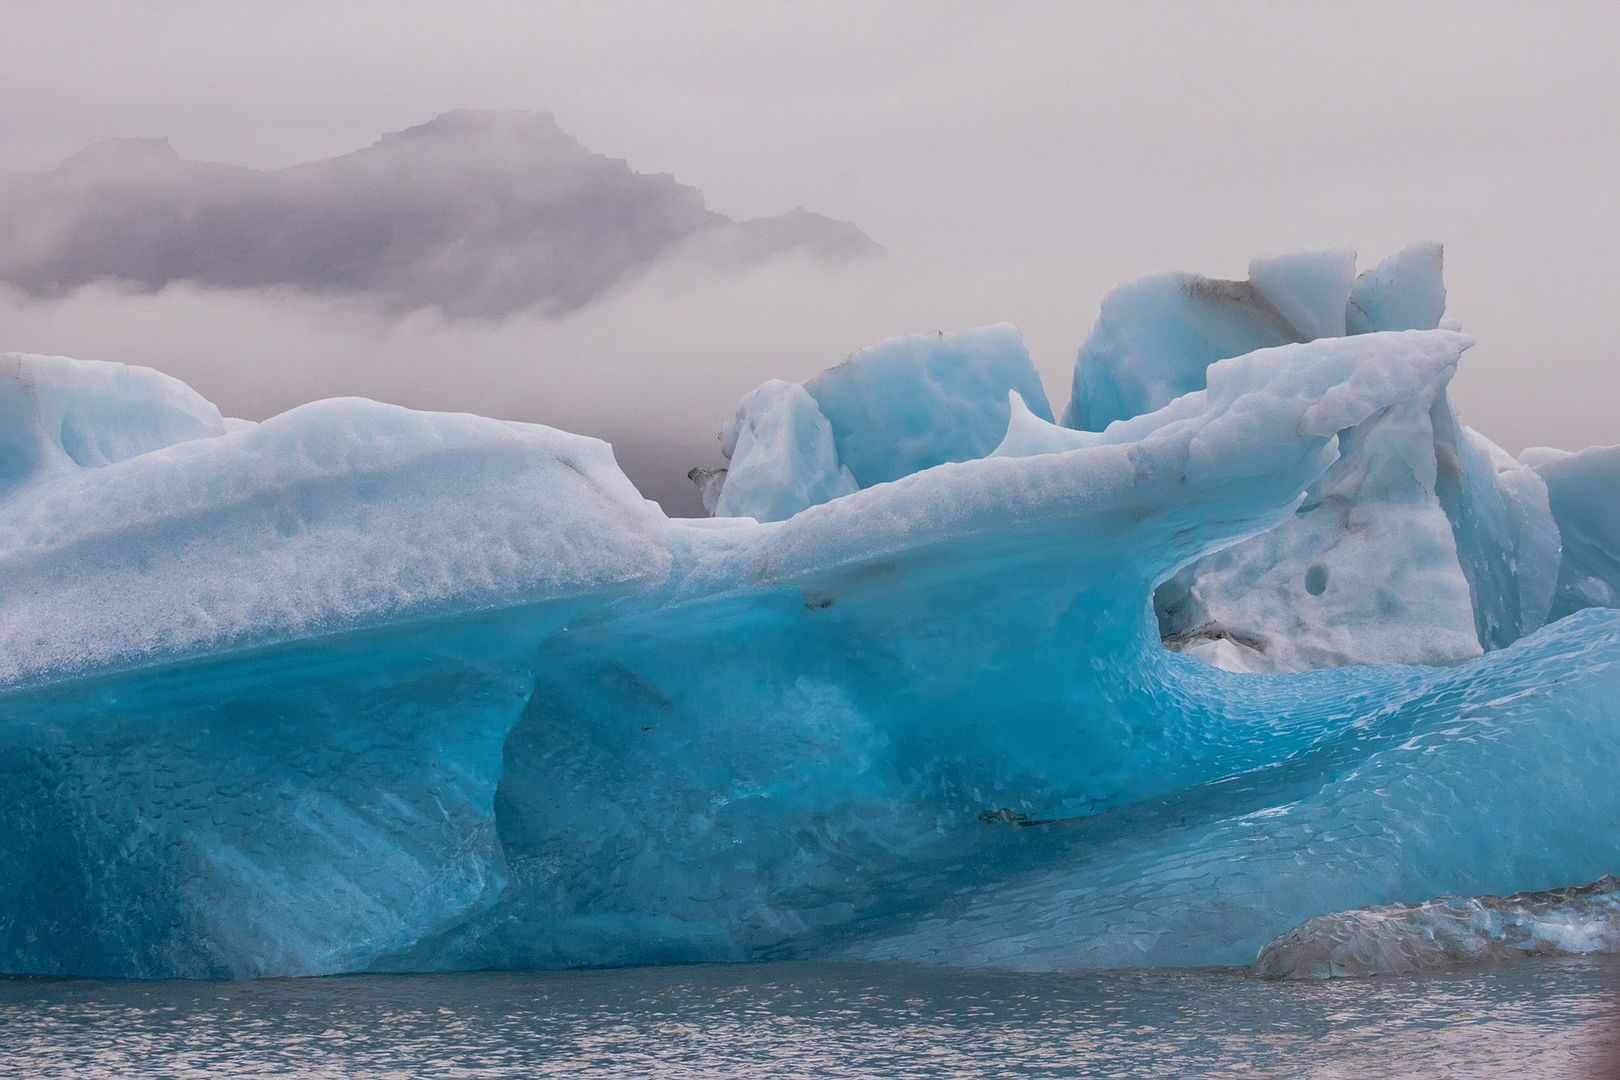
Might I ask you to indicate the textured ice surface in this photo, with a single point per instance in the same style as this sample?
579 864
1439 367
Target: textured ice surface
1584 492
359 688
1366 570
1365 786
333 516
1396 938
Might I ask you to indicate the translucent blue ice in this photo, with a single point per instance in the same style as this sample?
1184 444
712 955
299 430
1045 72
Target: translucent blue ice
1584 492
360 688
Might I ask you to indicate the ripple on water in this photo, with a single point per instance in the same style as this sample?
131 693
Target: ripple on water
1533 1018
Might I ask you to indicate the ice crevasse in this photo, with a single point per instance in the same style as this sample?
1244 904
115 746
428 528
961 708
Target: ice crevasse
361 688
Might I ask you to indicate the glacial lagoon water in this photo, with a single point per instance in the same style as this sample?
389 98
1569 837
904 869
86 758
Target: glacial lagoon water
1525 1019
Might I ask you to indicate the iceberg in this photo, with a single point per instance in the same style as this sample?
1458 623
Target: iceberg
359 688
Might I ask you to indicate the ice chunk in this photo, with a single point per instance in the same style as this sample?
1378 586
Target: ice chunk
1395 938
1155 337
1583 490
782 456
913 402
1507 541
1406 291
57 412
892 409
766 731
1309 289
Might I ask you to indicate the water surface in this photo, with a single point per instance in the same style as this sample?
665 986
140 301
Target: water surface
1531 1018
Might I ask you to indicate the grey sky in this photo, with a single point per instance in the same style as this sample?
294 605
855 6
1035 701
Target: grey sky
1015 160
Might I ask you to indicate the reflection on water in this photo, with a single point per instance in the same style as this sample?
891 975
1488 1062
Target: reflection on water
1531 1018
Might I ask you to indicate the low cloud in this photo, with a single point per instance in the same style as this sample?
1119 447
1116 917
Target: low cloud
657 362
654 366
480 214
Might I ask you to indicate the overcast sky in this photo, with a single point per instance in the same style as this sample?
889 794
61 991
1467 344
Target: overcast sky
1016 161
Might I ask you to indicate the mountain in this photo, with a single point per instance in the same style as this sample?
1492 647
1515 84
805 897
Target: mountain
477 213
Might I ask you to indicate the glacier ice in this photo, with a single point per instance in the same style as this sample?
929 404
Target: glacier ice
1508 543
1366 569
361 688
334 516
1425 543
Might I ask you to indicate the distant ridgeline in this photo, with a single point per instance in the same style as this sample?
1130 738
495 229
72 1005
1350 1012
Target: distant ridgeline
477 213
1259 637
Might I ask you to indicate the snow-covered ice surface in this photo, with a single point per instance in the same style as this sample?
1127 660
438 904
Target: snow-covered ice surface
360 688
